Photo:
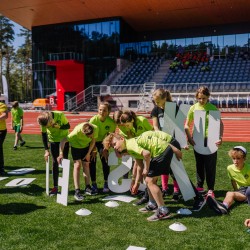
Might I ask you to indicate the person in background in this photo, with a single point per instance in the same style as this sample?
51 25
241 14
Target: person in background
17 123
3 132
82 141
239 173
205 164
247 223
106 125
131 125
54 126
160 97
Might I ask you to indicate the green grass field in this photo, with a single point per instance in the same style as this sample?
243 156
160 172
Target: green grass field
29 219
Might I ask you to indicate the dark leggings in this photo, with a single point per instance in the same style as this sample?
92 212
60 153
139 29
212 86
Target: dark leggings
54 148
105 166
2 138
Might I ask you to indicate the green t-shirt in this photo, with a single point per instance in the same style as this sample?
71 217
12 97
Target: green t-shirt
105 127
241 177
207 107
143 125
155 142
78 139
57 134
16 115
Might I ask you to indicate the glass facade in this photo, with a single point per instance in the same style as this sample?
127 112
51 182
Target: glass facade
99 43
95 44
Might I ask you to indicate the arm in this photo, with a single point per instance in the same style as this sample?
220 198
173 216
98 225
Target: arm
177 152
4 115
189 136
45 144
146 155
91 146
234 185
155 124
61 148
219 142
21 123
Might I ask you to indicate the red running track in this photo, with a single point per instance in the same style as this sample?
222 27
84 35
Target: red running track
236 125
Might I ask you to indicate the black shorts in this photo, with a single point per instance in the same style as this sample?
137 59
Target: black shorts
161 164
79 153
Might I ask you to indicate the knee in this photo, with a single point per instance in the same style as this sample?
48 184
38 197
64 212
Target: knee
230 194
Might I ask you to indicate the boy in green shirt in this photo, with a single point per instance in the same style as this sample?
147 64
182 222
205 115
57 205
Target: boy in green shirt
17 123
239 173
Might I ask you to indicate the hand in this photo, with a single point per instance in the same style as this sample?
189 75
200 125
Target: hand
87 158
59 159
218 143
46 155
135 188
93 155
247 223
178 154
105 154
191 141
145 172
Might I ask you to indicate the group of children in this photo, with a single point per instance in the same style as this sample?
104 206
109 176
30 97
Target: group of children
152 151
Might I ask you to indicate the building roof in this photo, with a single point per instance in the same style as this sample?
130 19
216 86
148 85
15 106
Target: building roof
142 15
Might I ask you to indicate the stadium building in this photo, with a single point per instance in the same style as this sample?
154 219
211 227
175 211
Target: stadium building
120 50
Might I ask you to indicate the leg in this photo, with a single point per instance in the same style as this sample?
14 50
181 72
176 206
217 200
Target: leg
76 173
210 168
200 172
54 147
2 138
86 173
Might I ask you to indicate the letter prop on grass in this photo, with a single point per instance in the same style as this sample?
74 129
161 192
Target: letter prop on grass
199 131
174 123
47 177
20 182
63 181
182 179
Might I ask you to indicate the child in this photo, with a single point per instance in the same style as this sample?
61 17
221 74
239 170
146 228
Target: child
156 148
130 125
3 132
160 97
239 173
106 125
82 141
17 123
205 164
54 126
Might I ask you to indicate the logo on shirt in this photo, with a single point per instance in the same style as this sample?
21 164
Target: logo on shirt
107 127
246 176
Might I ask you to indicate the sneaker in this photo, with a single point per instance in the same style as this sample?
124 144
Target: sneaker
149 208
94 189
200 190
88 191
210 193
105 188
217 206
165 193
143 200
176 196
22 143
53 191
15 148
198 204
78 196
159 215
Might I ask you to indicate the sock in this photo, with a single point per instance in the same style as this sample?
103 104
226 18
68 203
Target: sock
152 202
164 181
226 204
176 187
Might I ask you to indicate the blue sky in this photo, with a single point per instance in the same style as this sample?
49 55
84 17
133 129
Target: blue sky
18 40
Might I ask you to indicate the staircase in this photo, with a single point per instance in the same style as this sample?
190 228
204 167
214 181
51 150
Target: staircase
146 96
158 77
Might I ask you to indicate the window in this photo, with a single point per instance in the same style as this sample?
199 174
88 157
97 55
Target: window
132 104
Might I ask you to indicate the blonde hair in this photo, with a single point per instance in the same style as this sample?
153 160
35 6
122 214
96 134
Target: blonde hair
108 139
162 94
234 153
87 129
44 118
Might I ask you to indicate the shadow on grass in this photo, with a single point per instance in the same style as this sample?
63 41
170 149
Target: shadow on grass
33 147
18 208
11 168
33 190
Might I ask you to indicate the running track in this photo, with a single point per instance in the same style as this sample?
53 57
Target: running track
236 125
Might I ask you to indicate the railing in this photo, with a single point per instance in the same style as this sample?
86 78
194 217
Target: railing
66 56
178 90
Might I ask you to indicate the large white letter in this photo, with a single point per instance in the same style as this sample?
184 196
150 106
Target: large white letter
64 183
174 124
199 131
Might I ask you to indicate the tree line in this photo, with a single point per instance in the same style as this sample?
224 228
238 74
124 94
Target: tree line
15 64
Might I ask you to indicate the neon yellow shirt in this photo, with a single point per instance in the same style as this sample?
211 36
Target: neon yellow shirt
3 109
78 139
57 134
16 114
207 107
105 127
155 142
143 125
241 177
